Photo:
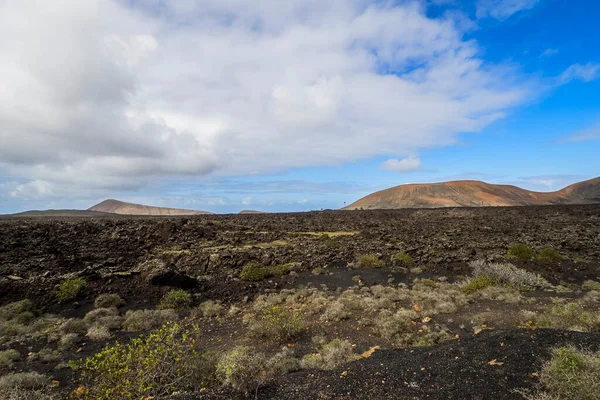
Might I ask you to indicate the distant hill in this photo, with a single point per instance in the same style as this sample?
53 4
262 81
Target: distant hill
251 212
59 213
123 208
474 194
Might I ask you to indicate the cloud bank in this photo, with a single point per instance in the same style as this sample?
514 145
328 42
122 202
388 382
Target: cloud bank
103 94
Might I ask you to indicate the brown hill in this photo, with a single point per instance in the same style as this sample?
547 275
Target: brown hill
252 212
123 208
474 194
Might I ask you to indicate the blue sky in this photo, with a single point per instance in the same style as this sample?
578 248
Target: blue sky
291 106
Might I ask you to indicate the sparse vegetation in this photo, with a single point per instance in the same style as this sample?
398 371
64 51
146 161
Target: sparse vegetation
549 255
7 357
569 316
242 368
253 273
159 364
508 274
110 300
478 283
69 290
401 258
590 285
571 374
208 309
521 251
24 386
318 271
147 319
330 355
276 323
370 261
280 269
176 299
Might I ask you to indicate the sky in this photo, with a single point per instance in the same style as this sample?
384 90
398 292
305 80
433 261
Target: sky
296 105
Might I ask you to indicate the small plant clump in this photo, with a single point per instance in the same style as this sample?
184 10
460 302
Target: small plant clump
176 299
521 251
330 356
208 309
24 386
276 322
508 274
253 273
147 319
401 258
571 374
110 300
242 368
69 290
318 271
370 261
280 270
549 255
159 364
7 357
569 316
478 283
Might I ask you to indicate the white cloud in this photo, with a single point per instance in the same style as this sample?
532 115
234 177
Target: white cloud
406 164
100 95
592 133
585 73
549 53
503 9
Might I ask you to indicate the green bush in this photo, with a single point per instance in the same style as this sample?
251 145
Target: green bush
280 270
13 311
521 251
549 255
276 322
69 290
329 242
159 364
478 283
402 258
253 273
571 374
318 271
176 299
242 368
370 261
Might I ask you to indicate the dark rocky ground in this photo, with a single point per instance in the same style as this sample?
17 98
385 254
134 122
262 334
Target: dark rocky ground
205 255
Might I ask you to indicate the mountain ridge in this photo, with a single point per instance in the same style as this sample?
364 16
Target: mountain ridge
113 206
471 193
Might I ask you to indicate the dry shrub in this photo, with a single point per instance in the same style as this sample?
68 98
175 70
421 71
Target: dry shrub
275 323
398 328
330 356
176 299
370 261
282 363
208 309
147 319
242 368
498 293
98 333
108 300
24 386
571 374
99 313
569 316
74 325
8 357
508 274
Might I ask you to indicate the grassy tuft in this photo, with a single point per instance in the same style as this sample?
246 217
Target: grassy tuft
549 255
242 368
401 258
521 252
253 273
478 283
370 261
69 290
176 299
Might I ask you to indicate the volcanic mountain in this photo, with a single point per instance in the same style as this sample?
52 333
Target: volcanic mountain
474 194
123 208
